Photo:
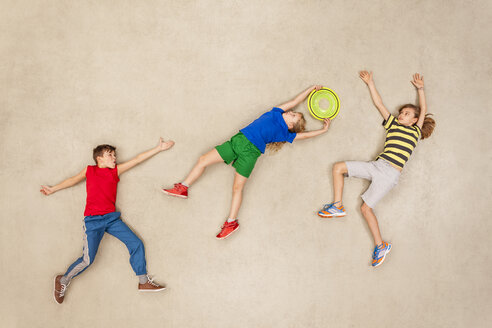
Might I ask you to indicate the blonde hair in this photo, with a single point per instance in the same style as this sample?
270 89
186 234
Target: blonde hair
429 122
300 126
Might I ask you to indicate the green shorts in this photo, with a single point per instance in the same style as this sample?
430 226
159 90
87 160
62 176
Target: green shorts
241 152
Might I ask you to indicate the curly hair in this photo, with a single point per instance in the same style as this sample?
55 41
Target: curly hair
300 126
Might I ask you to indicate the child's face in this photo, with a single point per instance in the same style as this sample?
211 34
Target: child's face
291 118
108 159
407 117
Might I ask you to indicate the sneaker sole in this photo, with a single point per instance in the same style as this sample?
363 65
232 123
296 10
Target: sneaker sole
171 194
331 216
228 234
151 290
384 257
54 290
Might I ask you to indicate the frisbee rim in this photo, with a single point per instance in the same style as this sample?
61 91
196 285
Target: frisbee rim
337 107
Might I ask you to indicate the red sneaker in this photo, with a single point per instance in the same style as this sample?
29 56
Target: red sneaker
227 229
179 190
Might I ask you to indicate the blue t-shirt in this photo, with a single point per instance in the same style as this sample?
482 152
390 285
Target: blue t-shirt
269 127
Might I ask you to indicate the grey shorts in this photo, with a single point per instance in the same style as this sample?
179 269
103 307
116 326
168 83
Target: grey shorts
383 176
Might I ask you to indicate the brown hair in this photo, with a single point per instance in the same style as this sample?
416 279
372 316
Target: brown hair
100 150
300 126
429 122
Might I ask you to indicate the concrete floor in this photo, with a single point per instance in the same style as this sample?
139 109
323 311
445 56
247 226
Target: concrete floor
77 74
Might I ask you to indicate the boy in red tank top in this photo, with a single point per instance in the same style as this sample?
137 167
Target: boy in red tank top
101 216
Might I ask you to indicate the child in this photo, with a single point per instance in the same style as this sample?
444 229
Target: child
101 216
271 130
402 136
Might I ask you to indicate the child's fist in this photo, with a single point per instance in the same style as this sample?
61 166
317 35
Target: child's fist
365 76
47 190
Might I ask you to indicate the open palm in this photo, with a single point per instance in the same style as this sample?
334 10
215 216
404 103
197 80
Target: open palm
418 81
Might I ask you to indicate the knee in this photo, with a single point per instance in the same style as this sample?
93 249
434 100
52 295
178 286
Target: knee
136 246
139 244
89 257
365 208
87 261
202 160
340 168
236 188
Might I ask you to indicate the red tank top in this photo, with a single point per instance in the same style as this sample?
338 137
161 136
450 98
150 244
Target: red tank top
101 190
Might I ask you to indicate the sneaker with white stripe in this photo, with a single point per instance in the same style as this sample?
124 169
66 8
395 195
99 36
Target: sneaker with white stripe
331 211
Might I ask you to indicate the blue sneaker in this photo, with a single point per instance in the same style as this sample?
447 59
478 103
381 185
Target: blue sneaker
380 253
331 211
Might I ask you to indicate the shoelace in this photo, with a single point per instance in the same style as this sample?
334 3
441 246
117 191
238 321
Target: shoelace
377 250
327 206
62 291
228 224
179 187
151 281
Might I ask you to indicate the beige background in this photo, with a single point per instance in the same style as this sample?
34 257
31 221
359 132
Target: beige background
74 74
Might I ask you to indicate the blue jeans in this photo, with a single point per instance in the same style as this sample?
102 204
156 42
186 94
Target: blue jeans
94 229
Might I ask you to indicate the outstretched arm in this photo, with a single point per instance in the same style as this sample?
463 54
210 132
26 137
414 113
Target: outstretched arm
48 190
310 134
376 98
418 82
145 155
299 98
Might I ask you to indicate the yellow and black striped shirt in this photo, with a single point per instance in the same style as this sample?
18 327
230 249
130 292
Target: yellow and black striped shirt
400 141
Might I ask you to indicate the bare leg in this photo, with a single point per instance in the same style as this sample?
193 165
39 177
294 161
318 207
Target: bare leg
372 222
339 169
212 157
237 195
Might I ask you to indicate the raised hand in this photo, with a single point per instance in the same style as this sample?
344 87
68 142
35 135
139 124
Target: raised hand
418 81
366 76
165 145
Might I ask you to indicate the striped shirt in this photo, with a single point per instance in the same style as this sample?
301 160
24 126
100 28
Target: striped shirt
400 141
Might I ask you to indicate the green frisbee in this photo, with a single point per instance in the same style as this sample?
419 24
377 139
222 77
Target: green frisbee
323 103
